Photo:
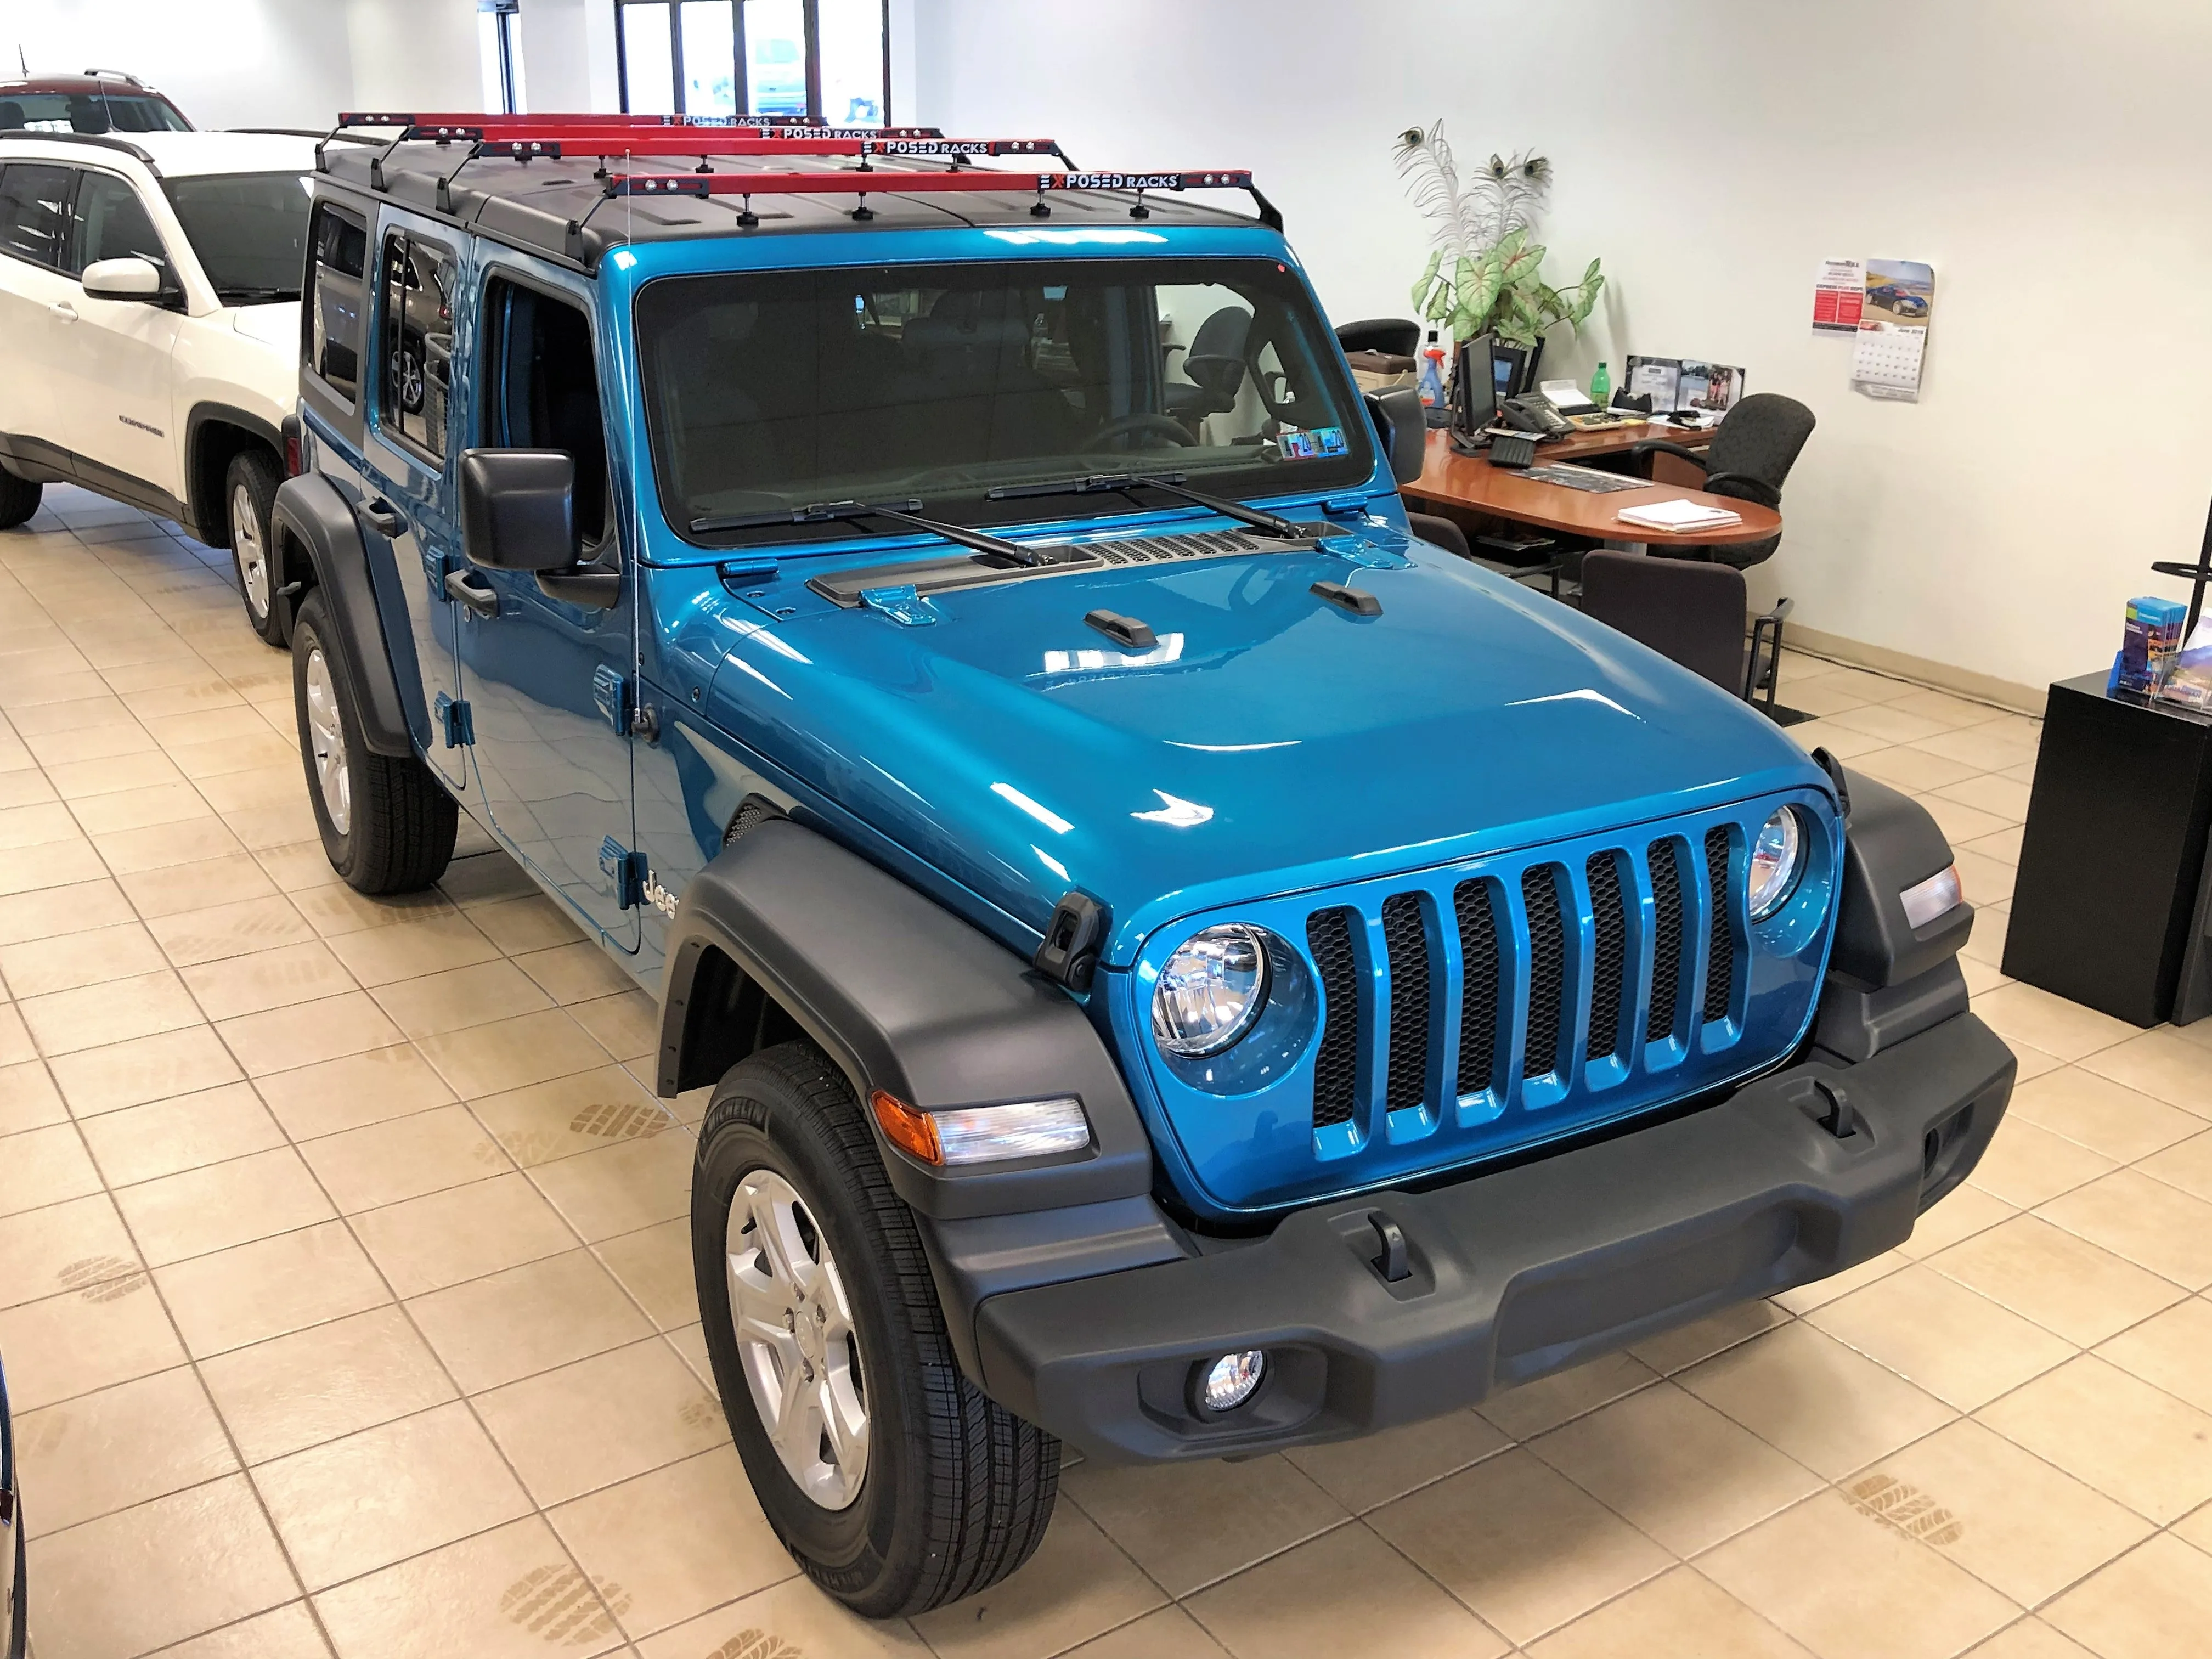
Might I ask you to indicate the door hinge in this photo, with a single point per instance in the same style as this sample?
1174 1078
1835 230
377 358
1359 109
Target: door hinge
626 871
456 723
616 699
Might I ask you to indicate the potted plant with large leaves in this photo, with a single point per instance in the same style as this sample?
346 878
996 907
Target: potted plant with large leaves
1486 273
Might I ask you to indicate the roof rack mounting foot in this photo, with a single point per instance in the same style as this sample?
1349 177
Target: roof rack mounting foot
864 212
1040 209
746 216
1140 211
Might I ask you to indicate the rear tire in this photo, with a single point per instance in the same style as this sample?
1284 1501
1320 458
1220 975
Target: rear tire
249 493
19 499
387 824
953 1491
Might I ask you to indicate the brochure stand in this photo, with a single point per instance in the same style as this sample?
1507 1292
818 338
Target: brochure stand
2104 910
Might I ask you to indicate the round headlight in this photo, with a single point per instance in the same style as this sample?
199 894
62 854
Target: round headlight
1776 858
1210 992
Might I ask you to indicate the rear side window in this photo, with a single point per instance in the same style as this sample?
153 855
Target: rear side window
34 213
110 222
332 319
542 390
415 341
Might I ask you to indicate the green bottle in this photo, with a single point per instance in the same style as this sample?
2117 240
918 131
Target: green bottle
1601 387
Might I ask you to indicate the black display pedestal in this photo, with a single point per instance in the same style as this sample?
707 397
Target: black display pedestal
2104 910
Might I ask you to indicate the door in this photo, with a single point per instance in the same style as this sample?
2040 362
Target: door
547 665
117 409
408 461
36 307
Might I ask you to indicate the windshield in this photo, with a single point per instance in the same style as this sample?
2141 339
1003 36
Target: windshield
250 230
88 111
770 391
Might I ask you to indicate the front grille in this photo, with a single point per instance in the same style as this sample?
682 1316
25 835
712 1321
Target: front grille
1406 942
1547 969
1336 1067
1720 946
1562 916
1609 961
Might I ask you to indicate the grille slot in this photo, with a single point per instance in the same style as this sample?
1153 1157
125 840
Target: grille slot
1480 978
1336 1067
1609 959
1669 958
1720 943
1547 969
1406 942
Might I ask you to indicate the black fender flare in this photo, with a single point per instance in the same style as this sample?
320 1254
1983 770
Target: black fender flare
903 996
1888 979
311 511
203 501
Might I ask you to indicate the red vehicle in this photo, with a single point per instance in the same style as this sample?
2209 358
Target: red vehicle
98 101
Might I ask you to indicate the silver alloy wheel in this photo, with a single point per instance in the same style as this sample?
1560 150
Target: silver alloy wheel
795 1338
327 734
252 560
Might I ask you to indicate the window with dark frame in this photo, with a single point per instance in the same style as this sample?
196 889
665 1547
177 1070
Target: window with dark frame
826 58
337 280
416 340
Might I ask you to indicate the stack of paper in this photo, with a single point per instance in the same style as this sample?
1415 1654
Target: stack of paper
1678 515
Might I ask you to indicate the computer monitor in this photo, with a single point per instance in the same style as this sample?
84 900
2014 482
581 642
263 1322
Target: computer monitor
1478 382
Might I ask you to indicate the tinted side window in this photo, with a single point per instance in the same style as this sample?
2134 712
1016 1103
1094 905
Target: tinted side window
331 320
34 213
415 341
542 390
110 222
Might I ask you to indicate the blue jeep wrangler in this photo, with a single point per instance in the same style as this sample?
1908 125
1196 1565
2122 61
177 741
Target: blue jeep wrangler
1183 967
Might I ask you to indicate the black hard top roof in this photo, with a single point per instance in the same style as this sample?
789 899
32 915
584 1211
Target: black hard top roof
561 208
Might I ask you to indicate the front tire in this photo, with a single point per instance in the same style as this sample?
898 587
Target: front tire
929 1491
19 499
249 494
387 824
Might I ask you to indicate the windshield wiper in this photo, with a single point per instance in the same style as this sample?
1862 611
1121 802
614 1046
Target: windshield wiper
1171 483
253 296
901 513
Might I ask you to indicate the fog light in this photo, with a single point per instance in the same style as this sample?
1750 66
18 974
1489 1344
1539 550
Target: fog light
1232 1380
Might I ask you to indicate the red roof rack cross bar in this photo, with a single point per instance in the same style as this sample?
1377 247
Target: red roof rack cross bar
855 182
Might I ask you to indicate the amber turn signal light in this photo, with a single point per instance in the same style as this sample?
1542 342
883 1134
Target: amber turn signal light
910 1129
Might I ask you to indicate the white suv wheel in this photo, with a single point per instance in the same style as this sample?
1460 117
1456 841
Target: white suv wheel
252 557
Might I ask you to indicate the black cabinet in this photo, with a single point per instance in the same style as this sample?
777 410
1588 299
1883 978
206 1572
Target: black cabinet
2104 910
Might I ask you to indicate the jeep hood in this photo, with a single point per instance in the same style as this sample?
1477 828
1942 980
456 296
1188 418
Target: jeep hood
1269 742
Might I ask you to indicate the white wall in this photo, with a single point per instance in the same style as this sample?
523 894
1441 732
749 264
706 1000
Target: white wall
2051 160
415 54
264 63
568 55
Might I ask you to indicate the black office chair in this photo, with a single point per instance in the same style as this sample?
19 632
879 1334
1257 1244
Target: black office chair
1394 337
1215 364
1693 614
1756 445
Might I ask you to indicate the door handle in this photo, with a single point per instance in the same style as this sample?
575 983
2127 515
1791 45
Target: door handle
381 513
64 310
463 586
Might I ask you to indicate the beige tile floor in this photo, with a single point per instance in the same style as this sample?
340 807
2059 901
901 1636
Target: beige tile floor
344 1294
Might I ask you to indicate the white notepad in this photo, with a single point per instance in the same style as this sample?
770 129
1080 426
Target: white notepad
1678 515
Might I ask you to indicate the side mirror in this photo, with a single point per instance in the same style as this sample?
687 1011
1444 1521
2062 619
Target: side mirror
1402 423
122 279
518 508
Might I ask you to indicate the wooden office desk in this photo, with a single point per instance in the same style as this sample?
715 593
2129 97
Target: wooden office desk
1470 485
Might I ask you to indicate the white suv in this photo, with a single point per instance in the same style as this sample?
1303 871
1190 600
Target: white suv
149 324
